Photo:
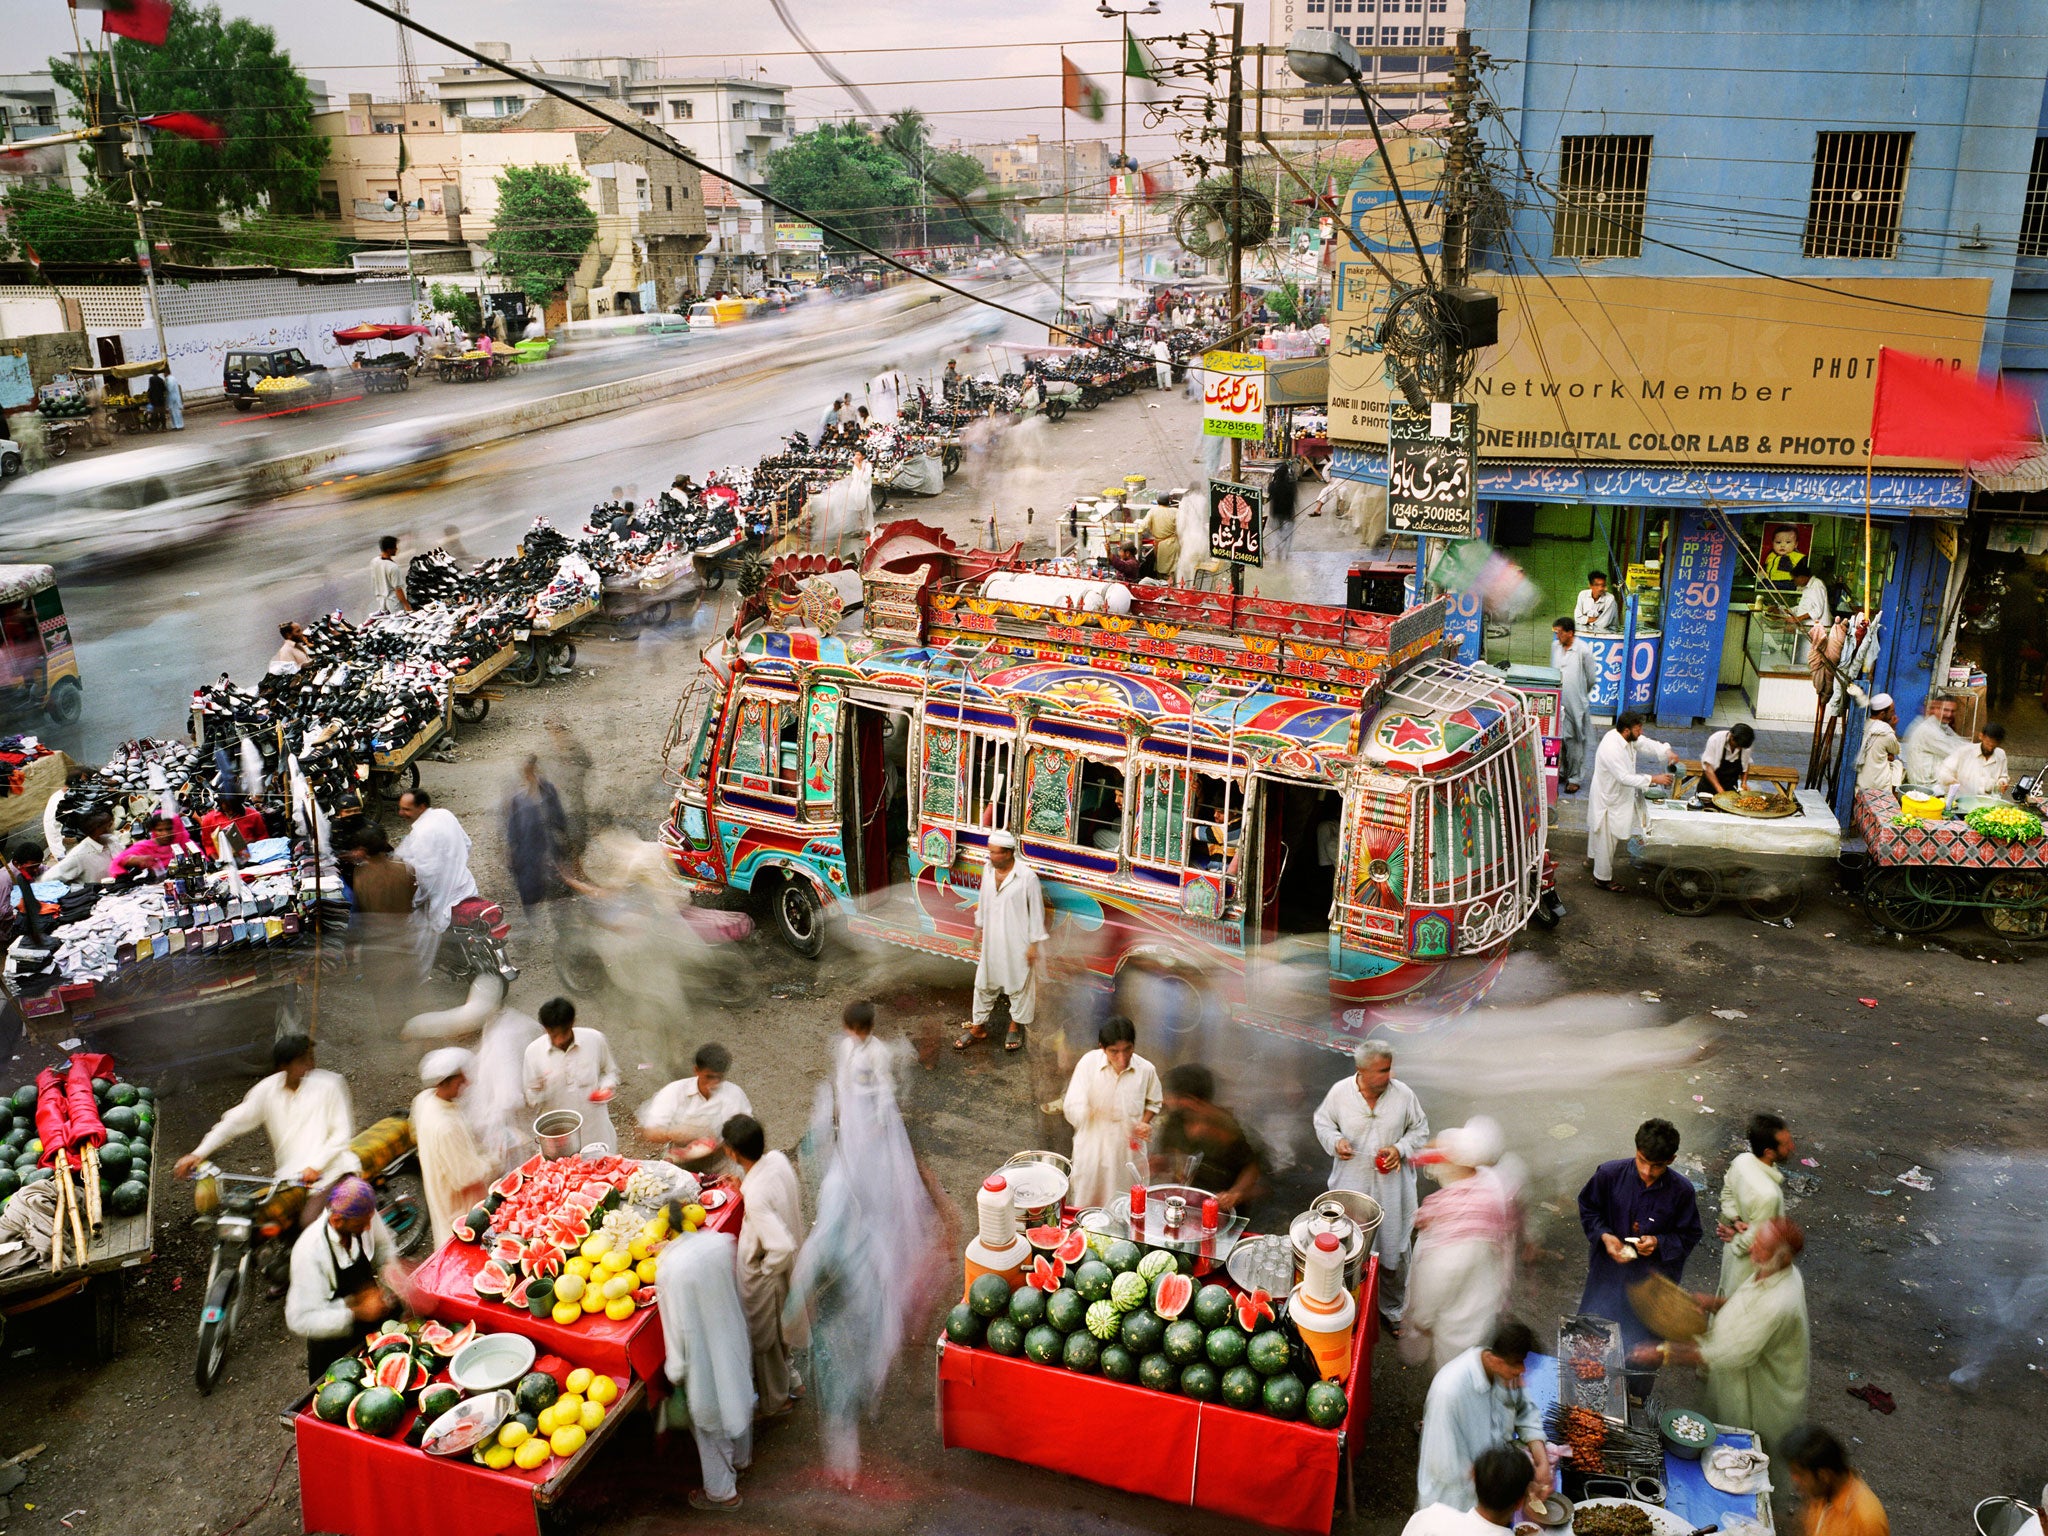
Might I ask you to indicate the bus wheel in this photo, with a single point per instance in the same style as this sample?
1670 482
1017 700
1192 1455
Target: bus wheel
799 917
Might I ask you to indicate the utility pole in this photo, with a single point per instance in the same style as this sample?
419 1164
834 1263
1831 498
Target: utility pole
143 255
1233 159
1460 164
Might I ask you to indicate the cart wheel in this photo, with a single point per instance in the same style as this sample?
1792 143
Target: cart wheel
1056 410
1090 399
1771 898
525 669
657 615
1688 890
799 918
948 461
471 708
2019 907
66 702
217 1327
561 658
404 1212
404 382
58 443
1914 899
109 1301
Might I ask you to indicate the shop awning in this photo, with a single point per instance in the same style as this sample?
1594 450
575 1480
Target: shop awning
2027 475
126 370
356 333
1298 381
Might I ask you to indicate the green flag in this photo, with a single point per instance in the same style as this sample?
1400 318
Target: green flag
1139 64
404 159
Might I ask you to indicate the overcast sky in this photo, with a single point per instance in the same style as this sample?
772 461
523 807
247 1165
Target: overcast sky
934 56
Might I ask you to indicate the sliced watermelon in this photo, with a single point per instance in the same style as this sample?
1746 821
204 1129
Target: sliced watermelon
516 1297
436 1337
466 1334
508 1186
531 1166
508 1250
1171 1294
422 1373
1047 1238
1046 1274
394 1371
1072 1248
493 1279
1251 1306
644 1297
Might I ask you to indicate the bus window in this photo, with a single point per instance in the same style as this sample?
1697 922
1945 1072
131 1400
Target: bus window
1102 806
1050 796
966 778
1188 820
764 746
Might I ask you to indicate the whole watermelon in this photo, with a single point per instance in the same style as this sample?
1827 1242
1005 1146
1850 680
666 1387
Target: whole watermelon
437 1399
347 1368
1122 1256
1142 1332
1198 1380
115 1157
122 1120
1225 1347
1005 1337
376 1411
1155 1263
1065 1310
1045 1344
1128 1292
10 1181
1243 1387
331 1404
1158 1373
123 1096
1103 1321
1082 1352
129 1199
1027 1307
1267 1352
1284 1396
1326 1405
1183 1342
536 1390
1093 1280
989 1295
1118 1363
964 1325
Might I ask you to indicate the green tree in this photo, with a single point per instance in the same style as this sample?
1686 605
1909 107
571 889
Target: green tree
459 304
267 240
542 230
61 228
234 74
841 175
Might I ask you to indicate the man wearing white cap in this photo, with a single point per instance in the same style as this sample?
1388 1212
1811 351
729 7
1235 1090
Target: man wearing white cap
1466 1235
1878 765
452 1168
1011 917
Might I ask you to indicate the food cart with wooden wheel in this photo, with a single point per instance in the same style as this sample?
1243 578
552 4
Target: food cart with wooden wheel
395 770
1754 847
470 700
118 1244
1926 874
544 649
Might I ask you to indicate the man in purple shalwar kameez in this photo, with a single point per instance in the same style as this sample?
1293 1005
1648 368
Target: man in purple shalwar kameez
1640 1218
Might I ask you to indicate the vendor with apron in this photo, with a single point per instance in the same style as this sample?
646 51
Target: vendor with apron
335 1297
1725 762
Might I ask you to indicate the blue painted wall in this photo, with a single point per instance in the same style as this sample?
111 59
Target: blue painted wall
1735 91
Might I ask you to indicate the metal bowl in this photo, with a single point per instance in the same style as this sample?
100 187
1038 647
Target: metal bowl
491 1361
559 1132
468 1424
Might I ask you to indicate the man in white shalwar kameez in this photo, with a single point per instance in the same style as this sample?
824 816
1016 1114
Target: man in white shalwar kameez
304 1110
452 1167
1878 764
1477 1402
1111 1101
437 849
771 1232
1466 1237
1976 769
1372 1124
1615 807
1011 918
1579 676
710 1363
1751 1195
571 1068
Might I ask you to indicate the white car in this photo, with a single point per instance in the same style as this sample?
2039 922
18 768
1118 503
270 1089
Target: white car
10 457
125 506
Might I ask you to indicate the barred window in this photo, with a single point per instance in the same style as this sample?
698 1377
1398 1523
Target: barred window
763 759
2034 216
1603 184
1859 190
966 778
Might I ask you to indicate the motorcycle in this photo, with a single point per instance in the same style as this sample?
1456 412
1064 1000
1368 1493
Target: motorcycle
253 1230
474 943
618 940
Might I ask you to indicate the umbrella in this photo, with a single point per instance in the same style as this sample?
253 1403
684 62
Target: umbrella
369 331
86 1126
53 1117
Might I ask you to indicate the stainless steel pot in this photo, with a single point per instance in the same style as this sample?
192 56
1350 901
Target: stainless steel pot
559 1132
1351 1218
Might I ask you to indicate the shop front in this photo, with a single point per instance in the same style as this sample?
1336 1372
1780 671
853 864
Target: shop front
1998 665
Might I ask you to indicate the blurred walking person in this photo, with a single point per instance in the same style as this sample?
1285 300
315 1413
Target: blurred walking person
535 832
1372 1124
568 768
437 850
1199 1142
390 580
452 1167
385 890
1111 1102
1833 1500
1466 1237
771 1233
709 1362
1751 1195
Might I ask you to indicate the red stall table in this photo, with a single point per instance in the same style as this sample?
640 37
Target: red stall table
353 1484
1249 1466
629 1347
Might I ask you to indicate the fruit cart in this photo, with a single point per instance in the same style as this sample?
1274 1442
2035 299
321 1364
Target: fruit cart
470 700
120 1243
1925 875
1233 1461
545 651
1758 850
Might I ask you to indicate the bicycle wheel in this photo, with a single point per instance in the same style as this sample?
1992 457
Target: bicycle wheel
404 1212
217 1325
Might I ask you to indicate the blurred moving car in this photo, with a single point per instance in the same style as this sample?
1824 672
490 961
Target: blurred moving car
392 457
243 369
127 506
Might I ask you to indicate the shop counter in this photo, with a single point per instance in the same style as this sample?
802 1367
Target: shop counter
1274 1472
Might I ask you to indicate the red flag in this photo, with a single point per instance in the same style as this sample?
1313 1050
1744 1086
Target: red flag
1924 409
187 125
147 21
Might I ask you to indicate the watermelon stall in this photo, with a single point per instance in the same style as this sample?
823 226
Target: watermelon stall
560 1253
1149 1370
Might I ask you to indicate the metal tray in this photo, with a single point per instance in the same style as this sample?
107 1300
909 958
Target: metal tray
1592 1338
1263 1264
468 1424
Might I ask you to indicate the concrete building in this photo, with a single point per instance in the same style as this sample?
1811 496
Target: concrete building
1695 430
731 123
742 252
1403 42
649 205
33 106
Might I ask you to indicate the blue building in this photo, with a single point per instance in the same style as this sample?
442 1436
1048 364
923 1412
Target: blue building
1713 213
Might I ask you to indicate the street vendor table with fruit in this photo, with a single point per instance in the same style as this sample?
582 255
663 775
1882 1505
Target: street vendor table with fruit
1928 870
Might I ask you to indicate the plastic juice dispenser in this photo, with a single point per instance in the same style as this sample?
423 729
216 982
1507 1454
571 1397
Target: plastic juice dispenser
1324 1312
998 1248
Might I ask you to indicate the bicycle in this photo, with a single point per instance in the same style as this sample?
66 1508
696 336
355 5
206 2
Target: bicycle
245 1244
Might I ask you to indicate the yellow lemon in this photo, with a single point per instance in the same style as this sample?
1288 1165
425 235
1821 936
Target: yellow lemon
688 1225
499 1457
569 1288
694 1213
544 1421
619 1285
613 1262
579 1379
591 1416
532 1454
597 1245
565 1313
580 1267
566 1441
638 1250
593 1300
514 1434
603 1390
619 1309
645 1270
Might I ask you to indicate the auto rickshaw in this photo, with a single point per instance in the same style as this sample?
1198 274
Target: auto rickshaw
38 666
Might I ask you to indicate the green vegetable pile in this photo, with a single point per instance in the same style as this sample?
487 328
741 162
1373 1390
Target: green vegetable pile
2006 823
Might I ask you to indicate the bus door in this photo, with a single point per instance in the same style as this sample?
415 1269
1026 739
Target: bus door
876 822
688 753
1296 834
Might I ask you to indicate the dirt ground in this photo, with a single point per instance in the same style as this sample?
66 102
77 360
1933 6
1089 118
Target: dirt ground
1611 1018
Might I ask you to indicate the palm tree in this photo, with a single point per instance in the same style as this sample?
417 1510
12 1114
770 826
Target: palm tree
907 134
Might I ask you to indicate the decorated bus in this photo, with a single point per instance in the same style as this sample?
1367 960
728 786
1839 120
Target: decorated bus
1305 810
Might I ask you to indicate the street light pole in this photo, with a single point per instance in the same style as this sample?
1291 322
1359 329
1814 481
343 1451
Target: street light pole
1233 153
1123 144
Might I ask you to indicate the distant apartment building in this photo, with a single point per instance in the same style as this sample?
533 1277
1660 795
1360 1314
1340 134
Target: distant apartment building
741 253
733 124
1032 166
34 106
1409 76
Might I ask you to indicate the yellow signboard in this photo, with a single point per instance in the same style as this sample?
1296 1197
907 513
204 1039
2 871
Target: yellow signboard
1234 395
1705 370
